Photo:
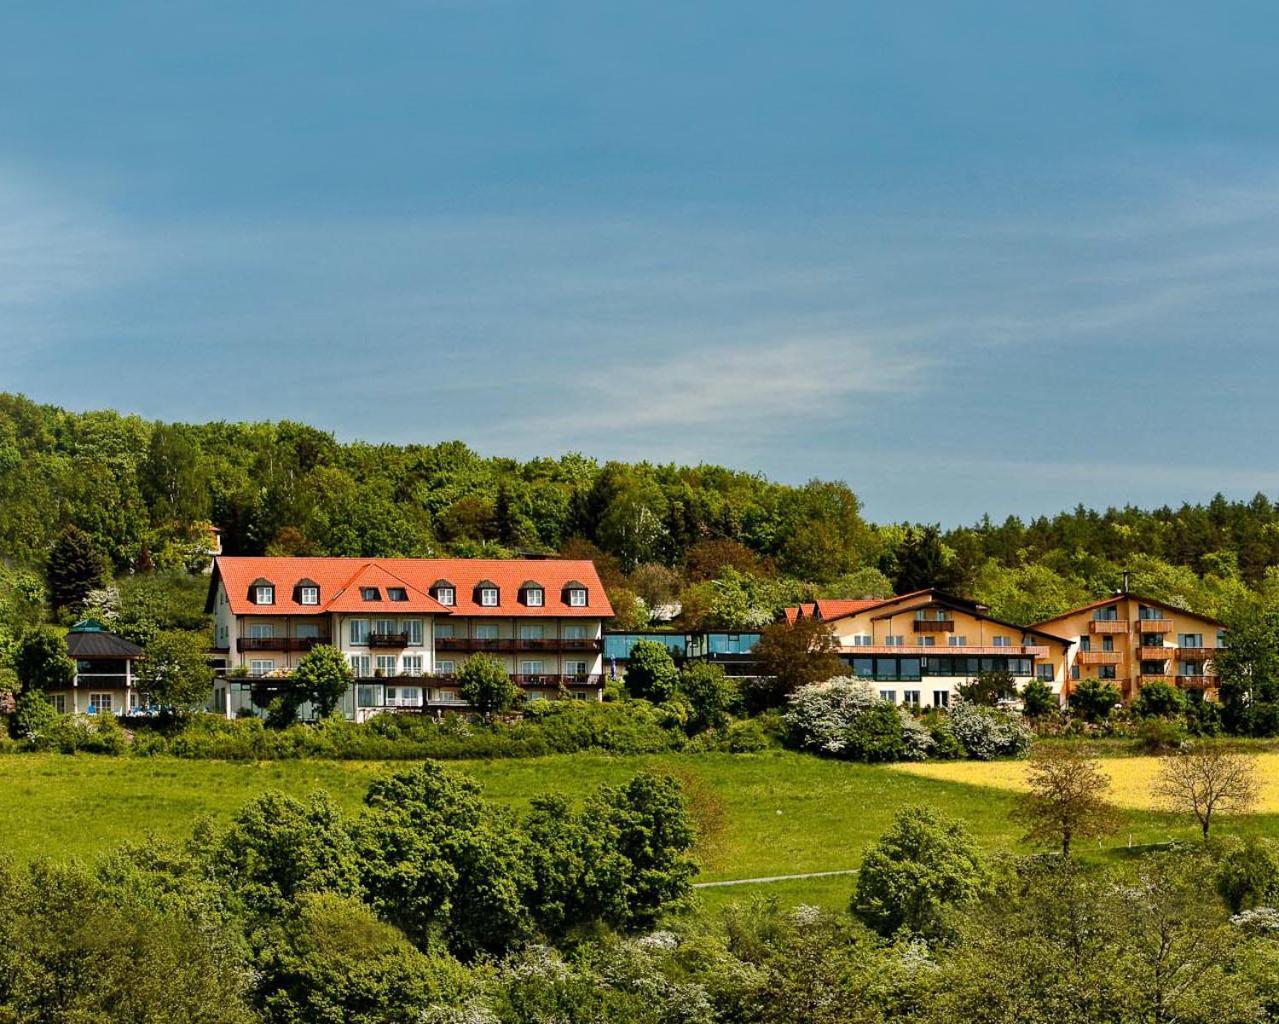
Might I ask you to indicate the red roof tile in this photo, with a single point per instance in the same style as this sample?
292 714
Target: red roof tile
340 579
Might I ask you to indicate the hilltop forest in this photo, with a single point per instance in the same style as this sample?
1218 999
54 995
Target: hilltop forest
696 546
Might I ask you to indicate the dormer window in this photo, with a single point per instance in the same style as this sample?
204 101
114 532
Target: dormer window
263 592
396 594
370 594
308 595
533 595
444 592
488 594
575 595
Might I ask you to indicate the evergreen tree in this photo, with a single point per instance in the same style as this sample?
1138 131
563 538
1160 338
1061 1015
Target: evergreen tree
75 568
921 562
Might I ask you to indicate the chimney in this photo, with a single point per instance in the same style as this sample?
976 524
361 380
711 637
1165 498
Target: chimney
1125 586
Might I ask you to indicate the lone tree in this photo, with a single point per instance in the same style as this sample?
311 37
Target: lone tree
1093 700
989 688
1205 778
486 686
174 674
651 672
322 677
75 568
42 661
1038 699
1067 798
794 654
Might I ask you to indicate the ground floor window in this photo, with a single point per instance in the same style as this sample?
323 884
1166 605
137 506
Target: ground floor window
59 702
888 695
445 668
941 698
260 667
951 666
1044 673
403 697
99 702
368 696
1106 672
412 664
910 697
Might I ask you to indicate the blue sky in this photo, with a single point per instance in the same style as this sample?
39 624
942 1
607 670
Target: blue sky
997 257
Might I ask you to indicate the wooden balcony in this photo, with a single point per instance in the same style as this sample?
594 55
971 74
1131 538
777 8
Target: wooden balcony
1108 626
1155 653
281 643
1154 625
1098 657
501 645
1195 653
1197 682
555 679
934 625
541 644
388 639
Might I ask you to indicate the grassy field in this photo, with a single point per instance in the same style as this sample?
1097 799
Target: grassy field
1130 778
774 813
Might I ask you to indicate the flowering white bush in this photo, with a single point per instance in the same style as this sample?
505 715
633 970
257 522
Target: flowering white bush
986 733
821 714
917 739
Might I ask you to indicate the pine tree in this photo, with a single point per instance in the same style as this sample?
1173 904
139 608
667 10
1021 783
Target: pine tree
75 568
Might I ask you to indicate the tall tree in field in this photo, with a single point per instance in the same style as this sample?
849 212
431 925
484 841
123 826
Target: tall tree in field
1206 778
1067 798
790 655
484 684
175 673
75 568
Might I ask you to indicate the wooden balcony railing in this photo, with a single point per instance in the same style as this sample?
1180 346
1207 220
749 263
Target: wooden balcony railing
1195 653
463 643
388 639
556 679
934 625
1154 625
542 644
1098 657
1155 653
1197 682
1108 626
281 643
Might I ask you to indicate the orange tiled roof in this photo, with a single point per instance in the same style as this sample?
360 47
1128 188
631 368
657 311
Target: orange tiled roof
340 580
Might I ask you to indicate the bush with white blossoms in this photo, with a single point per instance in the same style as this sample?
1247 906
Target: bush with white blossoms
821 714
917 739
986 733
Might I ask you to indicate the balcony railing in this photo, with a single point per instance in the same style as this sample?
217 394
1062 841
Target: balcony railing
1108 626
388 639
507 644
555 679
1197 682
281 643
1154 625
934 625
1098 657
1155 653
1195 653
543 644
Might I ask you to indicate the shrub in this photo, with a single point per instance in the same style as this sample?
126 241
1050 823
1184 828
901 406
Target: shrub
745 737
1157 735
1038 699
917 738
1159 700
1248 875
711 696
875 735
821 714
650 671
988 733
1093 700
35 720
945 746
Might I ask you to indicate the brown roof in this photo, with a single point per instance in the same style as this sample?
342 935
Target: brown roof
1135 597
340 579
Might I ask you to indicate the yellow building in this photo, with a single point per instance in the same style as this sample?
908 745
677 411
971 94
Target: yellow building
1129 640
920 647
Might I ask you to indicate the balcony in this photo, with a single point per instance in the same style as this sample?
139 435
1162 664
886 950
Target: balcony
554 679
1194 653
1155 653
1108 626
1154 625
1098 657
934 625
463 643
388 639
1197 682
281 643
557 645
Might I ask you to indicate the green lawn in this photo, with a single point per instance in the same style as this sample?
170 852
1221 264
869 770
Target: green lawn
765 814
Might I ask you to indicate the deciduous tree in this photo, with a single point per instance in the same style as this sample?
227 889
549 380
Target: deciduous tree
1205 778
1067 798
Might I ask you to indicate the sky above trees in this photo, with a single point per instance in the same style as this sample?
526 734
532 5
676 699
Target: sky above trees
996 259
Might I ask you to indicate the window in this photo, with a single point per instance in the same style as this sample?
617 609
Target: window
862 640
1152 668
488 597
261 666
263 594
1221 639
1106 672
1189 668
444 630
99 703
59 702
307 630
1085 643
575 631
412 628
1190 640
1108 614
403 696
910 697
396 594
534 597
368 695
575 668
1044 673
360 665
888 695
446 595
531 632
385 664
925 641
1108 643
370 594
1152 640
531 668
1149 614
445 668
941 698
486 631
385 627
412 665
1001 641
309 595
894 641
577 597
261 630
1074 671
359 631
957 641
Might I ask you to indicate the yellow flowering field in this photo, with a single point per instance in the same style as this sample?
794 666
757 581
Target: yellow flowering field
1130 777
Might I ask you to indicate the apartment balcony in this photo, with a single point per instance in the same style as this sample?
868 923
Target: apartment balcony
555 679
300 644
1197 682
1098 657
934 625
1159 678
1155 653
1195 653
1108 626
1154 625
388 639
500 645
558 645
